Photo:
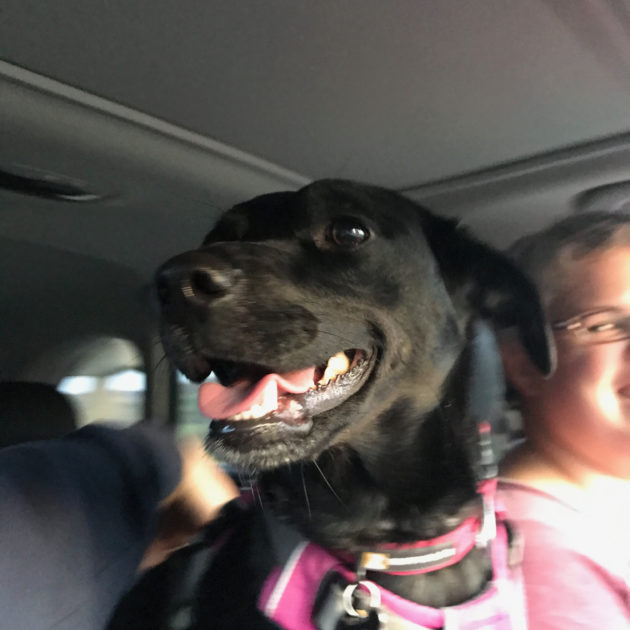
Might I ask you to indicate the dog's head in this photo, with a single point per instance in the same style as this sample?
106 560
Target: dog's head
319 309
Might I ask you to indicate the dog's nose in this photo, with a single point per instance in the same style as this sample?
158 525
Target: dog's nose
194 279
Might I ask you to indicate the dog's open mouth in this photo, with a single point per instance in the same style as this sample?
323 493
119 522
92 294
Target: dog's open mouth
247 395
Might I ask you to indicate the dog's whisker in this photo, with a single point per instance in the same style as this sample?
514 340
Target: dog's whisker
258 496
321 472
308 503
248 482
159 362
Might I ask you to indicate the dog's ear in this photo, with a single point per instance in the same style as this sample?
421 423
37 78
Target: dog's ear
492 285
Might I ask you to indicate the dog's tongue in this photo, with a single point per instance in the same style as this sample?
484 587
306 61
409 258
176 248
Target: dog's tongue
219 402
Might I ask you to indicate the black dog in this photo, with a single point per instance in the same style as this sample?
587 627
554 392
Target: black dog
337 320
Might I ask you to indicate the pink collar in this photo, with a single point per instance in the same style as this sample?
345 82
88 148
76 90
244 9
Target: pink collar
437 553
423 556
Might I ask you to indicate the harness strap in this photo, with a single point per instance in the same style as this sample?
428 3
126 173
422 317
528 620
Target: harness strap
184 593
193 560
284 539
486 388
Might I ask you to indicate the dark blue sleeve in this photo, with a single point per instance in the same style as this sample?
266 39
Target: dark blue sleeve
75 517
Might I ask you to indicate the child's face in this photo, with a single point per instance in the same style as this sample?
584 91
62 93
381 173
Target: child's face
585 406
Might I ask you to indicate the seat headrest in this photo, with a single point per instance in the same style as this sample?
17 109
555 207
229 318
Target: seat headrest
33 411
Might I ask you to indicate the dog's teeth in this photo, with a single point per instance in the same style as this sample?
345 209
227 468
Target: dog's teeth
270 401
269 404
336 365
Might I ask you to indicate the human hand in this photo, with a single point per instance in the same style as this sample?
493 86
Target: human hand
201 493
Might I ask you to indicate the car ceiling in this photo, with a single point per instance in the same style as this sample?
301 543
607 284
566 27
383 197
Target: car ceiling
173 110
396 93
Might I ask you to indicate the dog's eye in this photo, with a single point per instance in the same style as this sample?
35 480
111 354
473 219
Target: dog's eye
347 232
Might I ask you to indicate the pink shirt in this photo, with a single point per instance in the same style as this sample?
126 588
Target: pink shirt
576 567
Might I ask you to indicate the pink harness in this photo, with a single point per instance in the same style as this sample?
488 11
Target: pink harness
288 595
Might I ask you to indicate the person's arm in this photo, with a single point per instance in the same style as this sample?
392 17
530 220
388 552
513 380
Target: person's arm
566 589
76 516
202 491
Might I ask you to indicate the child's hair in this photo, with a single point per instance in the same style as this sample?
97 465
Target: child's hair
545 255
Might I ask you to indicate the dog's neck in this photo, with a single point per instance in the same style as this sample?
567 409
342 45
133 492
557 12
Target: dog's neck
406 479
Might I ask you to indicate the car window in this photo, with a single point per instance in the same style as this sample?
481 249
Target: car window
190 420
107 382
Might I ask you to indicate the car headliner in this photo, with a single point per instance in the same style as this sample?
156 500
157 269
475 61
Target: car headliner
500 112
395 93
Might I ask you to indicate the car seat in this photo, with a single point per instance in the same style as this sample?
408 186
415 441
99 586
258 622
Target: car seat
33 411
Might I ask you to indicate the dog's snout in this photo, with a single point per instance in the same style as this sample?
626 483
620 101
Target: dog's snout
191 279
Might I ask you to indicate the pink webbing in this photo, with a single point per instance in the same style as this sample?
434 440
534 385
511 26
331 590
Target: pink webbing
288 596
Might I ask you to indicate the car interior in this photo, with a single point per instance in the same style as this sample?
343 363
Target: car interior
128 127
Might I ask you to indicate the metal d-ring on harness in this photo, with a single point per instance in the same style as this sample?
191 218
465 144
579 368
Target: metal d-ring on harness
372 613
